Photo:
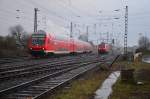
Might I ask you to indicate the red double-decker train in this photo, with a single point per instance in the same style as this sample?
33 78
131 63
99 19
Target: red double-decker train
104 48
42 43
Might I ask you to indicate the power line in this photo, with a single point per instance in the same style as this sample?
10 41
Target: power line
47 10
23 15
69 8
73 8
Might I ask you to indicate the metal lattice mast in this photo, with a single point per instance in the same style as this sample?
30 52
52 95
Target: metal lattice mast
87 31
35 19
126 31
107 37
71 30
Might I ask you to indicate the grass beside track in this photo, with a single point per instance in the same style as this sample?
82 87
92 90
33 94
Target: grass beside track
82 88
134 91
146 52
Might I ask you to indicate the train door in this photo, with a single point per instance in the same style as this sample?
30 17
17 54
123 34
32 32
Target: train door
72 46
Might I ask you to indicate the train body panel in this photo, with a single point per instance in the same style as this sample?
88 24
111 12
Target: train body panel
104 48
42 43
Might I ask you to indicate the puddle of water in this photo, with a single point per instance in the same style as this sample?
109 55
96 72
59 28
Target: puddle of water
147 59
106 88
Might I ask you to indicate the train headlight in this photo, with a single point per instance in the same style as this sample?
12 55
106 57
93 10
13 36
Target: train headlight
43 48
30 48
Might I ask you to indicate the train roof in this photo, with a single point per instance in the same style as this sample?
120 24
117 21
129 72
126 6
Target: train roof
61 37
40 32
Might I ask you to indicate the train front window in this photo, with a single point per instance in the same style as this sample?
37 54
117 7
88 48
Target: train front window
102 46
38 39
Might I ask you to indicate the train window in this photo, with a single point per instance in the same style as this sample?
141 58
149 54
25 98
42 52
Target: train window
38 35
102 45
38 39
48 41
61 38
41 32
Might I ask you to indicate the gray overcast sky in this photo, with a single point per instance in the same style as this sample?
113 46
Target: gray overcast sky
55 16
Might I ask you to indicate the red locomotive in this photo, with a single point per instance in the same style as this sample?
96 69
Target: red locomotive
104 48
42 43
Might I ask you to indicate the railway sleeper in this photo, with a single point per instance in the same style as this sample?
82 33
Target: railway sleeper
39 87
65 77
49 84
27 93
21 95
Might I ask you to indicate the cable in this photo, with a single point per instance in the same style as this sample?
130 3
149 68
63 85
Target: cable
13 14
72 8
47 10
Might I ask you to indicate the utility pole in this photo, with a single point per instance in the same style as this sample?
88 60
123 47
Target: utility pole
95 31
95 28
35 19
71 35
112 31
126 32
87 33
107 37
145 42
45 24
100 36
71 29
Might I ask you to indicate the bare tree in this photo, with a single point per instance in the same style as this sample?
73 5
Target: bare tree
144 43
91 43
16 30
19 34
83 37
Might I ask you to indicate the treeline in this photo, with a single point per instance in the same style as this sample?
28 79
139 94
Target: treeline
144 44
15 43
8 43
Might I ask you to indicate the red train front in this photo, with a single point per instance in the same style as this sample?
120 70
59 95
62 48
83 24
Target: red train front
38 43
42 44
104 48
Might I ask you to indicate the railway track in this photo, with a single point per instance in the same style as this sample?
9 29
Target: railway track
30 63
41 68
37 88
14 77
40 85
7 60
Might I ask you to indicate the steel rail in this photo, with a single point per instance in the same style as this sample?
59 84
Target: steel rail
23 85
36 70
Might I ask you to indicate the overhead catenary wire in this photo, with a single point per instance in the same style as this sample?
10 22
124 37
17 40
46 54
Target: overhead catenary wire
63 20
